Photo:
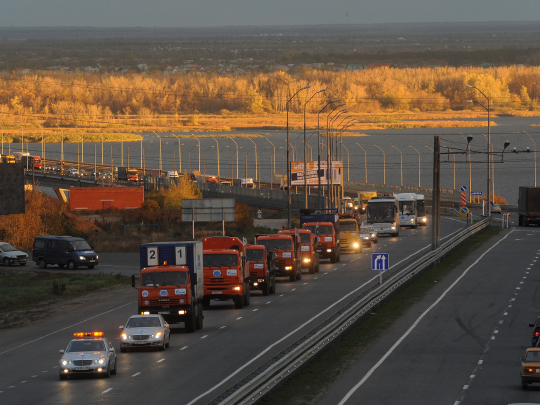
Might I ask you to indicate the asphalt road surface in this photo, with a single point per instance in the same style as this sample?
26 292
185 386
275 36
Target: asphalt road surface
199 366
459 345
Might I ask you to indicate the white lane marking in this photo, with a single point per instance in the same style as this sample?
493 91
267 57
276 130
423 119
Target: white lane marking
55 366
204 337
495 331
282 295
480 361
415 324
256 309
305 284
223 327
238 318
12 386
1 392
293 289
107 390
344 264
185 347
268 302
67 327
465 387
22 382
270 347
315 278
136 374
34 376
335 268
44 371
325 273
159 361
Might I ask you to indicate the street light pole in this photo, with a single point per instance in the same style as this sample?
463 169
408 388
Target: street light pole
319 144
534 156
259 169
179 153
236 158
488 146
232 164
365 159
401 165
204 160
274 169
246 167
305 149
198 140
412 147
217 149
289 212
256 163
384 163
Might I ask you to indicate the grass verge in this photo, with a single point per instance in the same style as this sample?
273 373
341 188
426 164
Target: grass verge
306 386
21 290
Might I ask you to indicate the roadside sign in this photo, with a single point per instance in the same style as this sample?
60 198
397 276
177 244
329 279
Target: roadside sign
463 211
380 261
476 193
463 189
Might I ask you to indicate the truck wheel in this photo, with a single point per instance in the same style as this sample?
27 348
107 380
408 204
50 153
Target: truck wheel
206 302
338 259
312 268
239 302
299 276
333 257
265 289
42 264
293 277
199 321
318 266
247 295
191 322
273 286
71 265
520 220
525 222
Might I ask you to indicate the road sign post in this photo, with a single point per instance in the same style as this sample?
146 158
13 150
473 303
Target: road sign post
380 262
463 195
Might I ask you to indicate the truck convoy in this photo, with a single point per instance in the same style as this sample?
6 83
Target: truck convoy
421 217
324 224
171 282
383 215
407 209
308 248
288 253
226 275
349 235
529 206
128 174
262 269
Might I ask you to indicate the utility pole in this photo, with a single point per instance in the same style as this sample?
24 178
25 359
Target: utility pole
436 195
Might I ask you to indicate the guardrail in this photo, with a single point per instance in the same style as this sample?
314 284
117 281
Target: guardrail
389 188
265 378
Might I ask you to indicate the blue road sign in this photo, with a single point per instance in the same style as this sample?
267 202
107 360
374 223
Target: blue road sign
380 261
463 189
476 193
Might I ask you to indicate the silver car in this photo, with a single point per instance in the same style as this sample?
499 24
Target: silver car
88 353
144 331
10 255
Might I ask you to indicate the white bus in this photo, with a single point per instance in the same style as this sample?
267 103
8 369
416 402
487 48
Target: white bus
407 209
421 210
383 215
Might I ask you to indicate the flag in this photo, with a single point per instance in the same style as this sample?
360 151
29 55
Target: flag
244 241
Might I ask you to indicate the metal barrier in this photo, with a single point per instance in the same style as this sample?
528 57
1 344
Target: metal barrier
265 378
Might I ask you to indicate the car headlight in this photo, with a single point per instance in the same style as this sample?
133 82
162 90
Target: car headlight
64 362
366 237
424 219
101 361
157 335
124 336
355 245
393 228
82 258
97 257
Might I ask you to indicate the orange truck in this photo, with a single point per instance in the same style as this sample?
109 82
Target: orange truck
324 224
262 269
288 254
171 282
132 175
308 248
226 275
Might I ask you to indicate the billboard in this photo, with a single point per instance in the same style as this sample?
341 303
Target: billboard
313 173
208 210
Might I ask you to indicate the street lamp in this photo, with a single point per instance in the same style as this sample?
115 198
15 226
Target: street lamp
190 159
469 138
384 163
412 147
42 142
401 165
159 166
365 159
331 151
246 172
305 148
289 159
144 158
319 143
179 152
347 149
198 140
219 151
204 160
82 147
255 145
492 168
274 169
259 175
489 142
236 158
534 156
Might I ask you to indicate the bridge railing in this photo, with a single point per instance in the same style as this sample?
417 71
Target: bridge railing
388 188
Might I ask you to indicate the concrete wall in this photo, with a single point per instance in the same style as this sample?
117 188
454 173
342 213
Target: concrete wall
99 198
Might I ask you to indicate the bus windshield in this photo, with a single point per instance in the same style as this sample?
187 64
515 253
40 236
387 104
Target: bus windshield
381 211
406 208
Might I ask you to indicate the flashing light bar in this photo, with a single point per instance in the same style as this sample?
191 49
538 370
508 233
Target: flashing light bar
84 334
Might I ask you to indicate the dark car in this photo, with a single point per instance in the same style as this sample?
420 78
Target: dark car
536 332
64 251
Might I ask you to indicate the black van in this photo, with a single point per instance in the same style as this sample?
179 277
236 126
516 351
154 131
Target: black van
63 251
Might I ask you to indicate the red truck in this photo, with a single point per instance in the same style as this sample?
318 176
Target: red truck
32 162
324 224
132 175
226 275
171 282
308 242
287 250
262 269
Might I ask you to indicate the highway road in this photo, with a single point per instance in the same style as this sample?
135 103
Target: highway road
197 367
460 344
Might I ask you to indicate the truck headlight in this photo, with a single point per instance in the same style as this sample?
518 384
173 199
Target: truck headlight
82 258
306 260
393 228
97 257
424 219
328 250
288 267
236 288
355 244
412 220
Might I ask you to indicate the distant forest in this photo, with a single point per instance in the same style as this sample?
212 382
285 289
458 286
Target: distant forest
75 98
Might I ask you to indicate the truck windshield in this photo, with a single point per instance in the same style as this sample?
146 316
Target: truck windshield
347 226
255 254
321 229
421 208
163 278
276 244
220 260
80 245
380 212
406 208
305 238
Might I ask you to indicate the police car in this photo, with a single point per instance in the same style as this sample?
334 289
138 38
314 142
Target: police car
88 353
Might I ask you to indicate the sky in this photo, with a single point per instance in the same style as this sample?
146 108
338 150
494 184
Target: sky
212 13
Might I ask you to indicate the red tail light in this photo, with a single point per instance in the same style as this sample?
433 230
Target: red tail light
537 334
530 370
